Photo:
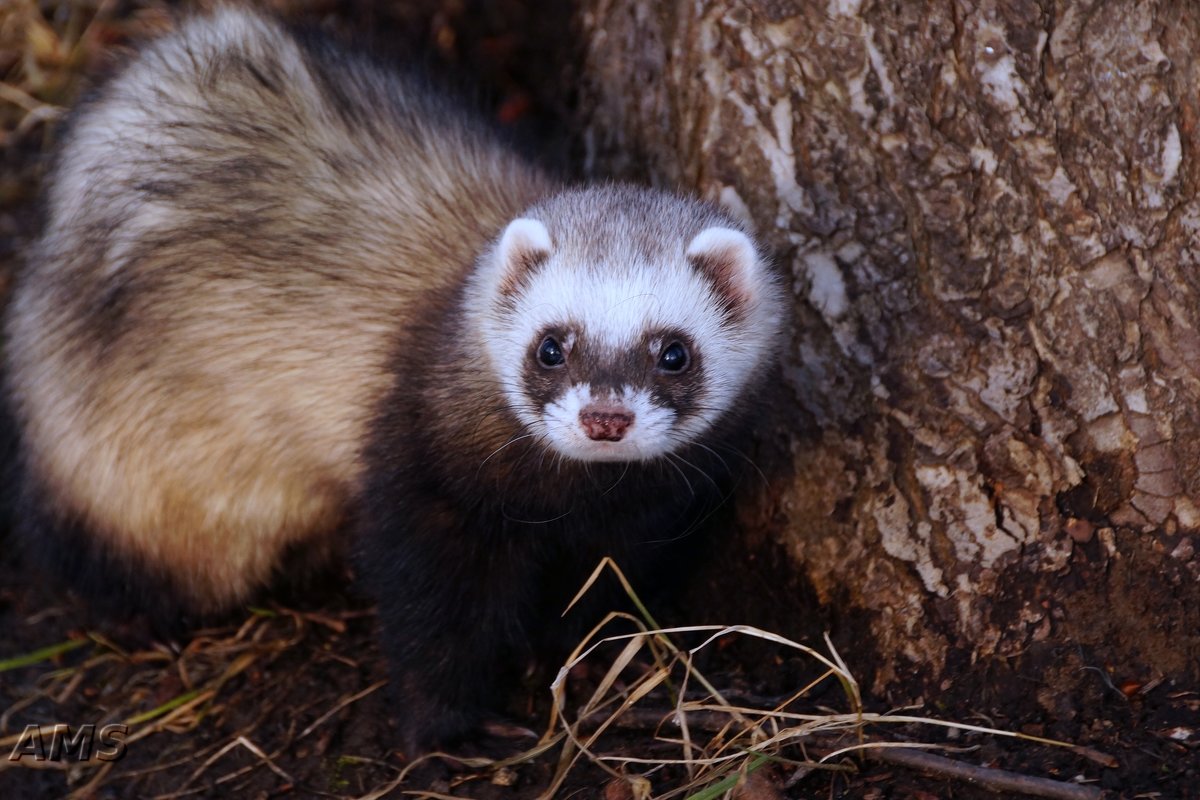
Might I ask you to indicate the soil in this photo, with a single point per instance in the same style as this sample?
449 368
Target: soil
290 700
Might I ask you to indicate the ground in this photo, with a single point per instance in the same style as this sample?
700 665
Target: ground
289 698
292 701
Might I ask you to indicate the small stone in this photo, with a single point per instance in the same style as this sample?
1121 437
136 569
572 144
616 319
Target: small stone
1184 550
504 777
1080 530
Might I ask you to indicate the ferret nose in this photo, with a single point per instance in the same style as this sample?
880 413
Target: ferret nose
605 424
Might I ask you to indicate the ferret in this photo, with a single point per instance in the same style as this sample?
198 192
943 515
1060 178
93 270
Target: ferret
286 296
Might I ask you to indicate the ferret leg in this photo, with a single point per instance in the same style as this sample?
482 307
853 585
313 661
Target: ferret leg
454 606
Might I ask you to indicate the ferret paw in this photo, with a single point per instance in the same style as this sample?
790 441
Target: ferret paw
468 736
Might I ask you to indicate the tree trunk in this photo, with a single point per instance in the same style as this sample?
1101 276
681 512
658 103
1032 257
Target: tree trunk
989 212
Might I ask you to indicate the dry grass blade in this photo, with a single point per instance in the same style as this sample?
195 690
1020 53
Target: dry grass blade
271 765
388 788
717 755
321 720
163 690
88 790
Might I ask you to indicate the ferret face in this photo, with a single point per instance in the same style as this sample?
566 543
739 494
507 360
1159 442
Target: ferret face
597 396
612 347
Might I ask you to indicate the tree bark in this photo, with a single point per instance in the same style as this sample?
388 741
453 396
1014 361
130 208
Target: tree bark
989 211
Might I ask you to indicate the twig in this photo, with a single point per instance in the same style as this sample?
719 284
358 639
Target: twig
347 701
653 719
253 748
996 780
89 789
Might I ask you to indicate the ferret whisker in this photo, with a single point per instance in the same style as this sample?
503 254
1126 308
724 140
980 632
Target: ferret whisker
714 453
670 459
631 298
706 476
749 461
620 478
547 521
513 440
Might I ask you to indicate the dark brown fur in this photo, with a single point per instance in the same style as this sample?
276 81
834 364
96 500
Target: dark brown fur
475 543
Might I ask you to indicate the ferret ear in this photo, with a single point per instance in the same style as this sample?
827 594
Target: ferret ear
524 246
729 259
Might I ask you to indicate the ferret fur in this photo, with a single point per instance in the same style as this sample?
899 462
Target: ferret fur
286 296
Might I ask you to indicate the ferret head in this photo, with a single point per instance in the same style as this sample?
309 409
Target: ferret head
622 323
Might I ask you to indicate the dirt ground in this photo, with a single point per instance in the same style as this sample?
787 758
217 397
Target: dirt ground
290 699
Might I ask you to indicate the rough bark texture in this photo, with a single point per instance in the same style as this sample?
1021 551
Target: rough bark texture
989 210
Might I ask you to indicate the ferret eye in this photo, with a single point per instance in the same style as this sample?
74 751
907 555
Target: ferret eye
549 354
674 358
